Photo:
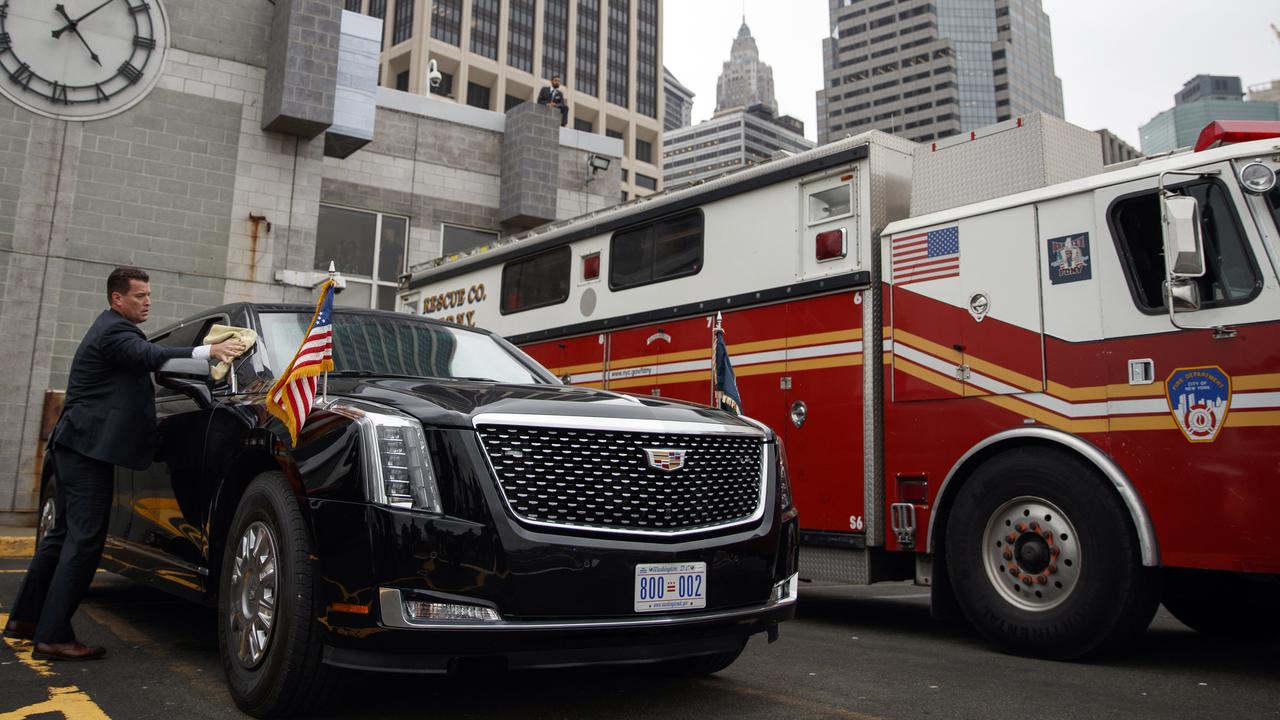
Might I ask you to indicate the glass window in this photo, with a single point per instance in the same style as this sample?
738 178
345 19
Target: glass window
588 75
644 150
583 125
647 58
458 239
1231 276
353 5
830 204
520 35
478 96
667 249
397 345
618 68
536 281
1273 199
646 182
403 29
484 27
555 38
359 243
446 21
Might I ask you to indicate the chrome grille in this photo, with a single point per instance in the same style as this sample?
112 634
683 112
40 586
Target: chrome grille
601 479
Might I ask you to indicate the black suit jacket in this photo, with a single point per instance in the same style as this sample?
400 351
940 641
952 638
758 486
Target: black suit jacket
548 95
110 413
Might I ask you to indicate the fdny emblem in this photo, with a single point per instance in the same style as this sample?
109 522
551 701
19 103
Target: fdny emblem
665 459
1069 259
1199 399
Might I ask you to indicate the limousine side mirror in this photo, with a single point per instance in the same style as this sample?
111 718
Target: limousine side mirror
188 376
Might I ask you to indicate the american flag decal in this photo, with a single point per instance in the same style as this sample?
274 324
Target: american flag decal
926 256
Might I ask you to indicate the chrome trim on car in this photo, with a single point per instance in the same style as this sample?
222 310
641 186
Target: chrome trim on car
577 422
1124 487
391 612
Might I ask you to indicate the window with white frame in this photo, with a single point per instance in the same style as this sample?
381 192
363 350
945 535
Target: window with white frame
370 249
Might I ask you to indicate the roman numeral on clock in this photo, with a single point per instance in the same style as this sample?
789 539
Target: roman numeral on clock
5 42
102 96
22 75
131 73
144 42
59 94
141 7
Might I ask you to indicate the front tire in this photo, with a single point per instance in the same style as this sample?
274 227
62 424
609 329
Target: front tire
1044 559
268 637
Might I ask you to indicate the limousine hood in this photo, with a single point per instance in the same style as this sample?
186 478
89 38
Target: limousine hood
457 403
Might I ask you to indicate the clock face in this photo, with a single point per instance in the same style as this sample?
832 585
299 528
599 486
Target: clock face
80 59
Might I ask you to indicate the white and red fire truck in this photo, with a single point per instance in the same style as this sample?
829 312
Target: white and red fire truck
996 399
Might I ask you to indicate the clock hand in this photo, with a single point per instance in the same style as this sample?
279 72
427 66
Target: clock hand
63 12
71 24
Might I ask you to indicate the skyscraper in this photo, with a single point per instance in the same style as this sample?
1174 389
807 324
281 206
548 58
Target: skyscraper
928 69
494 54
679 103
1203 99
744 80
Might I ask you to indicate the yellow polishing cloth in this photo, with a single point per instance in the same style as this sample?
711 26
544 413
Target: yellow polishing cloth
219 333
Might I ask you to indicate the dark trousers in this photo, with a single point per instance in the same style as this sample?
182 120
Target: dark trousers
68 555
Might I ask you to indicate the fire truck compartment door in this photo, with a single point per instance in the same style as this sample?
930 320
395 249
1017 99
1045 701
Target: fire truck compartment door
966 308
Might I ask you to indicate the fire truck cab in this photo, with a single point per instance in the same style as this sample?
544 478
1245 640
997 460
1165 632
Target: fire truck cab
1049 391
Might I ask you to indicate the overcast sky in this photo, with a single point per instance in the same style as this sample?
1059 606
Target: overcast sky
1120 61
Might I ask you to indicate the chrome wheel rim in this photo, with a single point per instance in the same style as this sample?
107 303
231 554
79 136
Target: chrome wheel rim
48 514
253 594
1031 554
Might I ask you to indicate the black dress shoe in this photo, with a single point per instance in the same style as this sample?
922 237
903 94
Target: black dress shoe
20 629
67 651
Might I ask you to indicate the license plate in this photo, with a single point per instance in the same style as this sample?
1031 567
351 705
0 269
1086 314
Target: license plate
671 586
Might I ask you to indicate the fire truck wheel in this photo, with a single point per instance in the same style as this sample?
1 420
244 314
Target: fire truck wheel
1230 604
1044 559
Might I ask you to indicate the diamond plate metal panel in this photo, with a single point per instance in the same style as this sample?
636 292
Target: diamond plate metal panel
836 565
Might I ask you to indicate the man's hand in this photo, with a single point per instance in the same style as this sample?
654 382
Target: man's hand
227 350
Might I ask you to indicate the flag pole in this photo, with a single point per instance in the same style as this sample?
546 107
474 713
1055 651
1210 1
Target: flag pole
715 333
324 382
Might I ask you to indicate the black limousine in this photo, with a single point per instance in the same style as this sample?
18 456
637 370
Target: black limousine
448 502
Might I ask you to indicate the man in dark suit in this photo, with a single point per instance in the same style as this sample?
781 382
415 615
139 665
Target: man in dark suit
108 419
552 95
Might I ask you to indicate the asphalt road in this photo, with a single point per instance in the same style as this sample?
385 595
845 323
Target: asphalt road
853 653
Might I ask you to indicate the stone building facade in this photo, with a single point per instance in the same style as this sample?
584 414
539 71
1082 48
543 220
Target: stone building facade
188 185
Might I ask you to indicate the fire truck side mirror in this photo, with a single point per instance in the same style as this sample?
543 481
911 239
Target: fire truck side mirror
1183 247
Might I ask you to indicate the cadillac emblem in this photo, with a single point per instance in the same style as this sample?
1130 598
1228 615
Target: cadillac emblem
665 459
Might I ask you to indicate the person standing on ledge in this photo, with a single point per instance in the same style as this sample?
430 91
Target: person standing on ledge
552 95
108 419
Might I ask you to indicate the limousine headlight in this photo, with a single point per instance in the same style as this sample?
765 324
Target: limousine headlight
397 462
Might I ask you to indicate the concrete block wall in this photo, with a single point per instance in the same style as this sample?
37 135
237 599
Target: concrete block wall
302 67
530 166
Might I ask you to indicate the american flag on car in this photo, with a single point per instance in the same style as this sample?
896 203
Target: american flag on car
932 255
294 391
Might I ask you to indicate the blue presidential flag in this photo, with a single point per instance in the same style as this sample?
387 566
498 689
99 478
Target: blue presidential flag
726 386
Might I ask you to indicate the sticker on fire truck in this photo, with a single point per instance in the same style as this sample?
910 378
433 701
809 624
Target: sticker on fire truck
1199 399
1069 259
671 586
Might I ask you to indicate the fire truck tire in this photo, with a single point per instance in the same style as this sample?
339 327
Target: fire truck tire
1235 605
1044 558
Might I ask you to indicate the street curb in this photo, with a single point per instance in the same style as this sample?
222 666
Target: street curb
16 546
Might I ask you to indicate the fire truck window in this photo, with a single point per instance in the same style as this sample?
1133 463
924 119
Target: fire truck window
1231 275
667 249
536 281
829 204
1273 200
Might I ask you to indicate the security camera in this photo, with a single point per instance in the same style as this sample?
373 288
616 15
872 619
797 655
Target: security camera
433 74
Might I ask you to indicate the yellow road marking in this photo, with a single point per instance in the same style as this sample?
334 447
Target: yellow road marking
22 649
70 702
809 706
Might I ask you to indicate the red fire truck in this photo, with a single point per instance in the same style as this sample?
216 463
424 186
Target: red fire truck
1056 407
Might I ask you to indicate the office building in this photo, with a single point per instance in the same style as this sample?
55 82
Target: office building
1114 149
679 103
493 54
929 69
1202 100
1265 92
729 141
744 80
